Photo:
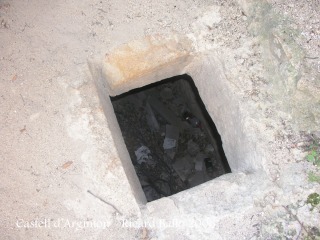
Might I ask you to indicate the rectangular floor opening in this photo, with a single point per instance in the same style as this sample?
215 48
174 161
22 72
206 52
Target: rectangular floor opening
171 139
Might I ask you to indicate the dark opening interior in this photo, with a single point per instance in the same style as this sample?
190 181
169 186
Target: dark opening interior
172 141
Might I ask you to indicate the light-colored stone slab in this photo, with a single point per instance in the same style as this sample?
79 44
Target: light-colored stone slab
154 57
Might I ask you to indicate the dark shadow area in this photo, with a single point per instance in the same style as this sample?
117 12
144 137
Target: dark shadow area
172 140
212 127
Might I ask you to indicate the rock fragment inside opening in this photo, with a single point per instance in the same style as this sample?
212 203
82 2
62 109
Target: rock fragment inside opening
172 141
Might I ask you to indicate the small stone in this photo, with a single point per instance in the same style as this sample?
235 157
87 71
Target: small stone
169 143
151 119
183 167
172 135
142 154
209 149
193 148
172 132
198 166
170 153
199 161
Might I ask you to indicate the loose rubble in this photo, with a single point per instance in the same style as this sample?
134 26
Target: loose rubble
168 146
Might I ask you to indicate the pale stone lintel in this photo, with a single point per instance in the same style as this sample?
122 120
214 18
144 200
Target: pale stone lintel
145 61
